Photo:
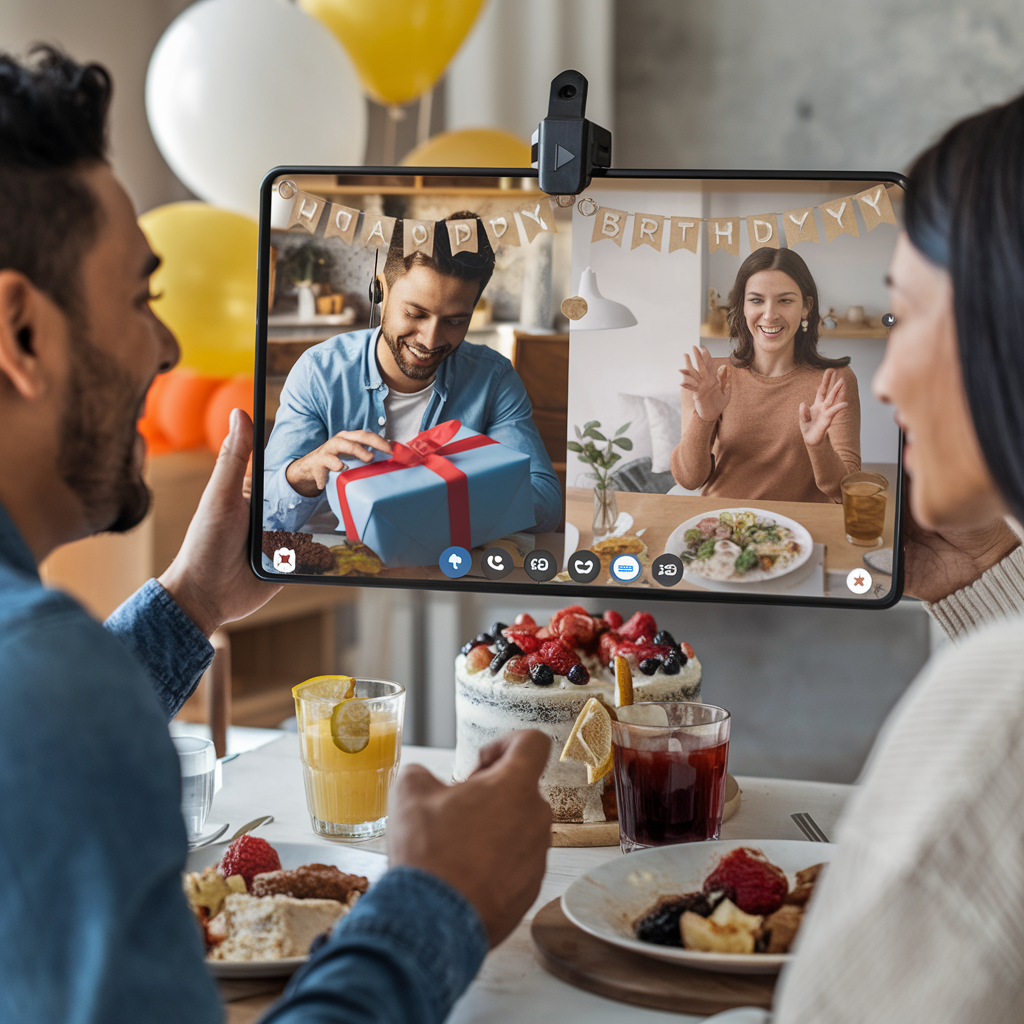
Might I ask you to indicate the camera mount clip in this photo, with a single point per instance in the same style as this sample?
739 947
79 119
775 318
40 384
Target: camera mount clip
566 146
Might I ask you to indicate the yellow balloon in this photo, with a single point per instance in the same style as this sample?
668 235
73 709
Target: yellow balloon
208 284
400 48
471 147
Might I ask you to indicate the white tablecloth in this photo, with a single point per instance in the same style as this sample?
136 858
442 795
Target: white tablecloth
512 987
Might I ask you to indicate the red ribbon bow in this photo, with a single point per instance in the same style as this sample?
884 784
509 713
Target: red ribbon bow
428 448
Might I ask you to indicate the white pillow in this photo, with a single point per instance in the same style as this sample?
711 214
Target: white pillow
633 412
665 423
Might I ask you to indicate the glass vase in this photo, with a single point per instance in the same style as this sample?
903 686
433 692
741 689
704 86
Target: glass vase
606 511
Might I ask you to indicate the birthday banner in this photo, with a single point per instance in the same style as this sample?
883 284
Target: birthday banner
372 230
798 225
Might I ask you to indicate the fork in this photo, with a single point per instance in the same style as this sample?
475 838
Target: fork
810 827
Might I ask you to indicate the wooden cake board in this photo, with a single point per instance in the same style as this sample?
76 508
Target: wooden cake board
606 833
595 966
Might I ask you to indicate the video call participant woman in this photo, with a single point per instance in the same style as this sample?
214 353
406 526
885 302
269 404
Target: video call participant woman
920 915
774 420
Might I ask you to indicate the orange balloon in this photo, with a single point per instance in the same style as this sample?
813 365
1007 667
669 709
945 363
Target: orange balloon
156 443
182 407
235 393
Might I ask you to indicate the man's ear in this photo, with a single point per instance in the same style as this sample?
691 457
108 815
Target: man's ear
26 317
383 290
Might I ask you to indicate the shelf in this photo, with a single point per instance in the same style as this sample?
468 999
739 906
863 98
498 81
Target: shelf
842 330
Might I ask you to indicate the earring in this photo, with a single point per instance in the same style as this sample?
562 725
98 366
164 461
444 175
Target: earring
803 324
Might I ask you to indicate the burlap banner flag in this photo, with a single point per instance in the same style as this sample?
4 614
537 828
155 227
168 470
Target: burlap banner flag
417 236
875 207
377 231
502 230
724 233
462 235
683 233
839 218
535 219
800 226
306 211
763 231
610 224
647 230
341 223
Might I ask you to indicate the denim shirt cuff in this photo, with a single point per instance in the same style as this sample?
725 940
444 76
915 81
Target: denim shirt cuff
424 921
165 640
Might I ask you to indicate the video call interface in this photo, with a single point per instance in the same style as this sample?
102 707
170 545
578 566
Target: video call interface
662 384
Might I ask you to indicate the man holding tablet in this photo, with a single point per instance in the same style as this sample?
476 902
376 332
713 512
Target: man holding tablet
356 393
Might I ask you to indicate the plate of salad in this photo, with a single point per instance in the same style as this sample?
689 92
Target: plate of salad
739 545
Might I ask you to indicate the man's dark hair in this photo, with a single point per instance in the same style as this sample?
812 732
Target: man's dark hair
53 116
805 349
964 211
470 266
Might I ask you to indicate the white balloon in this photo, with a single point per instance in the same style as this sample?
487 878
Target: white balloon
237 87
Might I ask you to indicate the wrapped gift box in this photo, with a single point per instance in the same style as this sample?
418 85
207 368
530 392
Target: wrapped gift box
449 485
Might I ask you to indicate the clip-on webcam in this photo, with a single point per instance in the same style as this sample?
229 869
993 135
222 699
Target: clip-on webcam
566 146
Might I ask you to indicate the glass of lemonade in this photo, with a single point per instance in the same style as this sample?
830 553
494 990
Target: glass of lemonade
350 741
864 507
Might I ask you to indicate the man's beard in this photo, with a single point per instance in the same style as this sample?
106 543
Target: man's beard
411 370
97 456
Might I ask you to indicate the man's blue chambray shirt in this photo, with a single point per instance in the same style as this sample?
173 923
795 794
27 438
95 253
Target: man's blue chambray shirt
93 923
337 385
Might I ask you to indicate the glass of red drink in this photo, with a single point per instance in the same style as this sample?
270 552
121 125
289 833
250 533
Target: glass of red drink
670 764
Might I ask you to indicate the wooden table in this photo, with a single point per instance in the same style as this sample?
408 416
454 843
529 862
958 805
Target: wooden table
511 988
660 514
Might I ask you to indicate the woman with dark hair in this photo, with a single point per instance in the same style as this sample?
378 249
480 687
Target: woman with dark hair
920 915
774 420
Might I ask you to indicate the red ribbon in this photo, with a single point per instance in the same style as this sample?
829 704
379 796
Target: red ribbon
428 448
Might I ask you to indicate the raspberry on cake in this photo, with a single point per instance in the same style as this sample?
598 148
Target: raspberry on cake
249 856
528 676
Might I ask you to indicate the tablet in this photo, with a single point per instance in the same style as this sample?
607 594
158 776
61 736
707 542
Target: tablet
661 384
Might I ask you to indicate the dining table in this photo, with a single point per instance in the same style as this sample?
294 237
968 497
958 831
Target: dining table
511 987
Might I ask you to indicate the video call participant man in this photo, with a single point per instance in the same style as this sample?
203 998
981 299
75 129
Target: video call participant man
93 923
356 393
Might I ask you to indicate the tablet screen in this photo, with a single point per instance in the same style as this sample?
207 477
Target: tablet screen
663 383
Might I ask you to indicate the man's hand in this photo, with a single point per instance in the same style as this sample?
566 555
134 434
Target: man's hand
815 420
488 837
210 576
937 564
308 475
711 391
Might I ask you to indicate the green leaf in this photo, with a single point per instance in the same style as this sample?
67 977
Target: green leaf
589 424
613 459
578 433
624 443
573 446
623 428
595 434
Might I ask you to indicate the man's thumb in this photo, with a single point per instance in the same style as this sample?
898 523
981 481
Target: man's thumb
234 452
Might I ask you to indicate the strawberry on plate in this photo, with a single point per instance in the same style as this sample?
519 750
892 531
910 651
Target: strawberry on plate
249 856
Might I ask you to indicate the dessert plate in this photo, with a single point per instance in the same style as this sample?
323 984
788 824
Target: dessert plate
293 855
676 545
608 899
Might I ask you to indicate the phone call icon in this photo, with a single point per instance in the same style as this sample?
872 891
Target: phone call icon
496 563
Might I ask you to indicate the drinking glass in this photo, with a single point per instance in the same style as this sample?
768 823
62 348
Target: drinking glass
864 507
670 765
347 788
198 761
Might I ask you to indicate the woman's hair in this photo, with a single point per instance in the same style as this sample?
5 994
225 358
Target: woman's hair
964 211
805 352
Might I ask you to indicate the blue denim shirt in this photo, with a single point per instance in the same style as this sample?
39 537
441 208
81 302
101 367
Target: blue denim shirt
94 928
337 385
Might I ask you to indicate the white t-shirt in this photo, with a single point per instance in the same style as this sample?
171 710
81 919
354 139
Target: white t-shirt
404 413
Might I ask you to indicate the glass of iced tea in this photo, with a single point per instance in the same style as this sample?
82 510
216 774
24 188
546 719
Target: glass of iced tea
670 765
350 742
864 507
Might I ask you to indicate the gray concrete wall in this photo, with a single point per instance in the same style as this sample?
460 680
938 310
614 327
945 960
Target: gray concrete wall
805 83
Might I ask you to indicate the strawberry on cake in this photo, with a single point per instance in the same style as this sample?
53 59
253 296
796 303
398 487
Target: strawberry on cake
526 676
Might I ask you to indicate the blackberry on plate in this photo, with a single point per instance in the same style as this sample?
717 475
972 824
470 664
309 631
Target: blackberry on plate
649 666
497 627
483 638
663 638
660 924
542 675
468 646
671 665
578 675
504 653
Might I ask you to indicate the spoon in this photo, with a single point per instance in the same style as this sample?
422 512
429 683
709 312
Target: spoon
209 839
266 819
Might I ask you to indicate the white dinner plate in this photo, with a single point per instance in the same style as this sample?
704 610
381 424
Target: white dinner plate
293 855
608 899
676 545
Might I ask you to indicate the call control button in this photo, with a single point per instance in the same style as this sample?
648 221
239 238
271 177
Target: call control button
859 581
626 568
584 566
667 570
496 563
455 562
540 566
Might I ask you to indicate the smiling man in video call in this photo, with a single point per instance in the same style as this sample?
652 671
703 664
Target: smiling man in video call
356 393
94 926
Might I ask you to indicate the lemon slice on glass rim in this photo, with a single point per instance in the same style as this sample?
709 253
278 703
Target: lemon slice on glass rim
591 740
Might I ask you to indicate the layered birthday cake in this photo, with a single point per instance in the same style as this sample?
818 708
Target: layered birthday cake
527 676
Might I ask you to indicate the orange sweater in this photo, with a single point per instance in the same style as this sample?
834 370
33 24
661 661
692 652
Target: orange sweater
755 448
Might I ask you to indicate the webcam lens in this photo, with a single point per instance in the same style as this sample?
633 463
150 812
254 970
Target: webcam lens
888 320
567 92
